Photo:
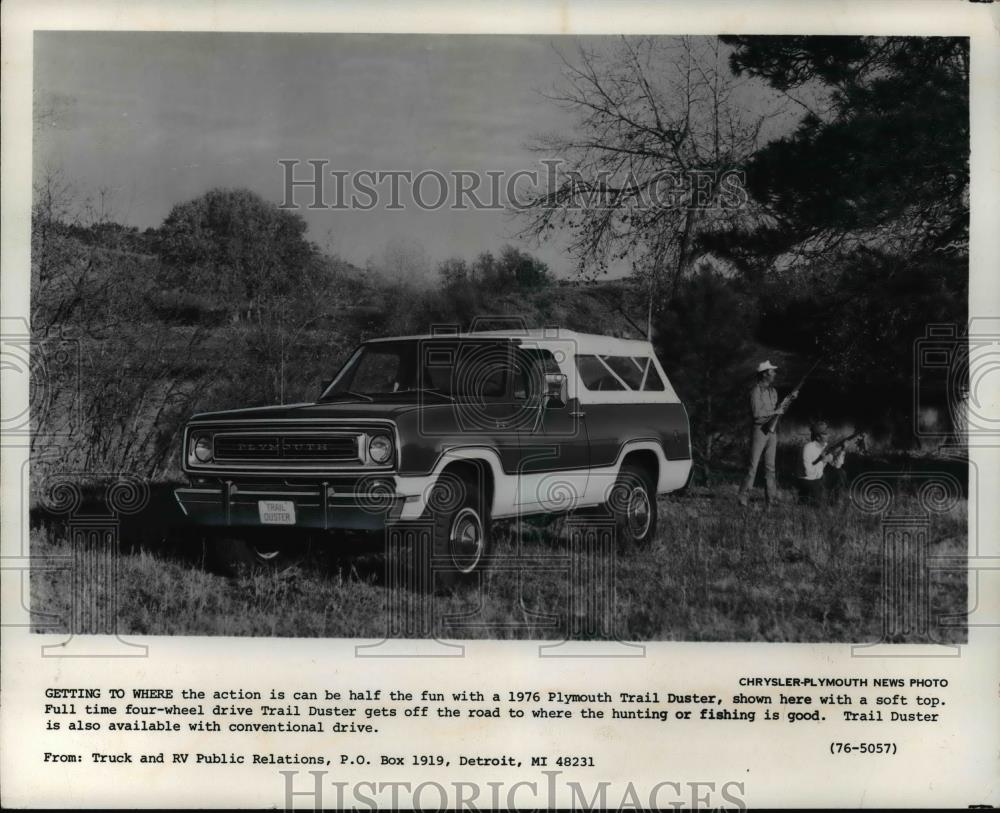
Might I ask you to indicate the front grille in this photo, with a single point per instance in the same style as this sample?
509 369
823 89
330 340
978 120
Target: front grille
333 448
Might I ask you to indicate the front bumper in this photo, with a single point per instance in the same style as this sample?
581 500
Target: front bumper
317 505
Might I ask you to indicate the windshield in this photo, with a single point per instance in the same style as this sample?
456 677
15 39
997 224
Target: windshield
466 369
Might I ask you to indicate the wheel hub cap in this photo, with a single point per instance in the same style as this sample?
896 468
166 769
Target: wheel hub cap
265 554
638 514
466 540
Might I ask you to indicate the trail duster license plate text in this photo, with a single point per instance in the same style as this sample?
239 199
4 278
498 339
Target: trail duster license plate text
276 512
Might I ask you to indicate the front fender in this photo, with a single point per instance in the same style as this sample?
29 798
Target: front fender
416 488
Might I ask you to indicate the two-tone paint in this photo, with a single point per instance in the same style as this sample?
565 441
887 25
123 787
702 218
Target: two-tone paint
542 456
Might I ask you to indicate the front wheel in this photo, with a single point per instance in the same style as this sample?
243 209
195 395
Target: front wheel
633 505
232 554
459 530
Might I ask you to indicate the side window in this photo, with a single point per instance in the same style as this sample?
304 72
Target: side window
629 370
605 373
595 375
467 370
439 362
653 383
532 367
481 371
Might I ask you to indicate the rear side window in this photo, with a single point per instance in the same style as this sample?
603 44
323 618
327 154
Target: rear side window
604 373
653 382
596 375
627 369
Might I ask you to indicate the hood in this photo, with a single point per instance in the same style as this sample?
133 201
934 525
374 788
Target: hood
339 409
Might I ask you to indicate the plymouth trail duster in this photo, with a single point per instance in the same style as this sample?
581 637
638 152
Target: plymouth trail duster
451 431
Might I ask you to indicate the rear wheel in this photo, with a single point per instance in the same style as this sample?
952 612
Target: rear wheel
466 540
633 505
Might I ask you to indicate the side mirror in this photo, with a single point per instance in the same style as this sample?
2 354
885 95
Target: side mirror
555 390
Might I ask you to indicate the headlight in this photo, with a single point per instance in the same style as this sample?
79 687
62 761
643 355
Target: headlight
380 449
203 448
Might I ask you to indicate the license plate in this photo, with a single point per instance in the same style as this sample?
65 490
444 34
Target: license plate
276 512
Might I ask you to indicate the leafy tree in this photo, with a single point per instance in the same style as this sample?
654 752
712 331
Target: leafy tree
514 270
867 342
111 379
454 272
527 272
486 274
866 230
880 155
234 245
702 337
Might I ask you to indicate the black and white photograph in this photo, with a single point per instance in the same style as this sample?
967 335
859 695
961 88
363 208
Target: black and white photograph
533 408
338 316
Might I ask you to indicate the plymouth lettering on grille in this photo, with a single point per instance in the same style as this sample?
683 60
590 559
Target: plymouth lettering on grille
250 446
294 446
288 447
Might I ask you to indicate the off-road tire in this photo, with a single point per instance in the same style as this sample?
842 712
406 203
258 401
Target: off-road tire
453 541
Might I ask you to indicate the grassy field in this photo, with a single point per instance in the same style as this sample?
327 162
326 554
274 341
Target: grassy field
715 572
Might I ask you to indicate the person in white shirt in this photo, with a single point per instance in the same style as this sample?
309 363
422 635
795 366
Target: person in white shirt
821 475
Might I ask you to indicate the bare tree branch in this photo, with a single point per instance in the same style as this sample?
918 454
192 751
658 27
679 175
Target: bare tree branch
653 113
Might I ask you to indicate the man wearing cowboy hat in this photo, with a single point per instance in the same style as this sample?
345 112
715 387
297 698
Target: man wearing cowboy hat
763 406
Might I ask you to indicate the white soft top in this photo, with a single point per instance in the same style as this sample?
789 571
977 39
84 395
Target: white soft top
588 343
565 344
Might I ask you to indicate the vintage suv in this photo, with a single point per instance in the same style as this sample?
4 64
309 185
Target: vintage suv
447 432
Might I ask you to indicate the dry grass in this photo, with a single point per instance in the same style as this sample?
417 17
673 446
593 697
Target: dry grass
715 572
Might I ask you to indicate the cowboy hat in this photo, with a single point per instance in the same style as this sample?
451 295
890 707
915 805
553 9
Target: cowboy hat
764 366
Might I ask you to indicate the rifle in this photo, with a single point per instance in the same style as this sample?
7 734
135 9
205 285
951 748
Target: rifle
861 437
768 427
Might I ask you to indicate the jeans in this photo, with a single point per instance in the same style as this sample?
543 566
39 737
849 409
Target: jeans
766 445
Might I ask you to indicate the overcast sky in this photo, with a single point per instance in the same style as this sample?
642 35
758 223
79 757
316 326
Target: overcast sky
161 118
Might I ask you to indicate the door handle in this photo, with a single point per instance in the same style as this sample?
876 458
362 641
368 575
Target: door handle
578 414
502 424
